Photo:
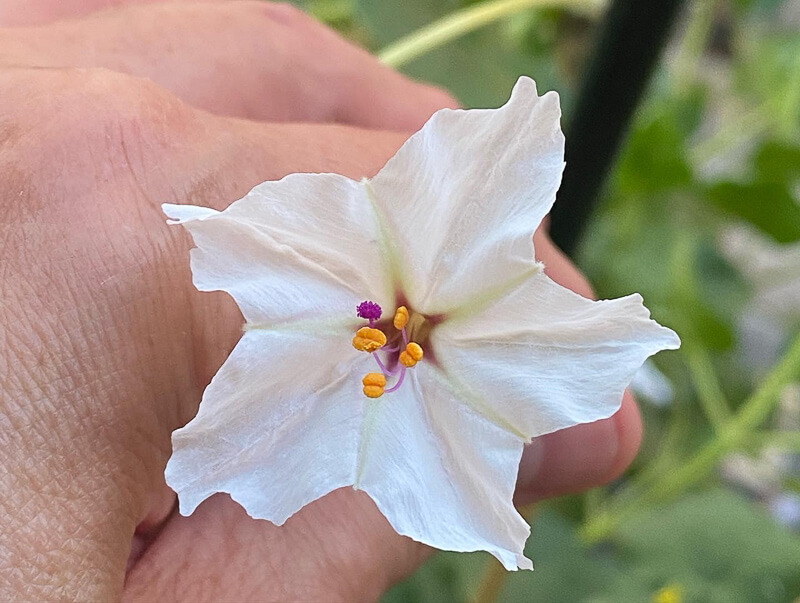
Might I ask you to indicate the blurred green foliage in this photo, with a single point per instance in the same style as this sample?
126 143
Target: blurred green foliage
712 545
715 146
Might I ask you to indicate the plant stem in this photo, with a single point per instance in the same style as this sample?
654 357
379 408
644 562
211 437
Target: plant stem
760 404
491 585
694 42
671 442
461 22
708 388
706 384
745 127
785 441
734 435
494 577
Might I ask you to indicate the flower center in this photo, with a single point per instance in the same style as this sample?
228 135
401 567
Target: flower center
373 340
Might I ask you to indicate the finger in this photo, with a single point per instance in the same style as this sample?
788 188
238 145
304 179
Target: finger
246 59
559 267
16 13
580 457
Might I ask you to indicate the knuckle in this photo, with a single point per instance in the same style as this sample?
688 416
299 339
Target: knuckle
70 102
82 122
95 98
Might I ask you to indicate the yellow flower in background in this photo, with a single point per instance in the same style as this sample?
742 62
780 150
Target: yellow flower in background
672 593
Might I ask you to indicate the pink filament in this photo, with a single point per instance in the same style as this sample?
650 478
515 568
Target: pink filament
386 371
397 385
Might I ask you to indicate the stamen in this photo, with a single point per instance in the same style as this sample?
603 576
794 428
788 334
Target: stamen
384 368
412 354
397 385
400 318
368 339
374 384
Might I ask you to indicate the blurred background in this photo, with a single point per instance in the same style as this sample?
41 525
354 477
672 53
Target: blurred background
700 214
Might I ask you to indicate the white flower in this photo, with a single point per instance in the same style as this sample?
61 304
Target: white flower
445 229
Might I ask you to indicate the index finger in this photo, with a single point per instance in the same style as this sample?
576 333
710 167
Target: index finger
256 60
16 13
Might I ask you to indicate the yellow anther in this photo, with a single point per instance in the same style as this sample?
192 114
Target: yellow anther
415 351
374 384
400 317
368 339
412 354
378 379
373 391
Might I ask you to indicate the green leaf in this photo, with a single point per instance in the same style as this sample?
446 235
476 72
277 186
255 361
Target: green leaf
717 546
654 160
707 327
714 546
389 21
766 205
778 163
565 570
446 576
769 73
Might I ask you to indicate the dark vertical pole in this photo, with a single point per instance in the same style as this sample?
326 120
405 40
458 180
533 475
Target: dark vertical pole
628 49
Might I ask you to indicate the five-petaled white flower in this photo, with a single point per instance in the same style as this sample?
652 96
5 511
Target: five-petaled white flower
427 409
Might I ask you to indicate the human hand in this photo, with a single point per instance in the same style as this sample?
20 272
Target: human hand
108 346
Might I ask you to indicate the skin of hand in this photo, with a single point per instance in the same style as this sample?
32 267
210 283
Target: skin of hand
107 346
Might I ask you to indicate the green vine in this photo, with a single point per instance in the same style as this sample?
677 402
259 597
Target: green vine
461 22
733 435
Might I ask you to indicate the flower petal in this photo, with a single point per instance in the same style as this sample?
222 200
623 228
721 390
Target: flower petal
441 473
302 247
544 358
461 199
279 425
